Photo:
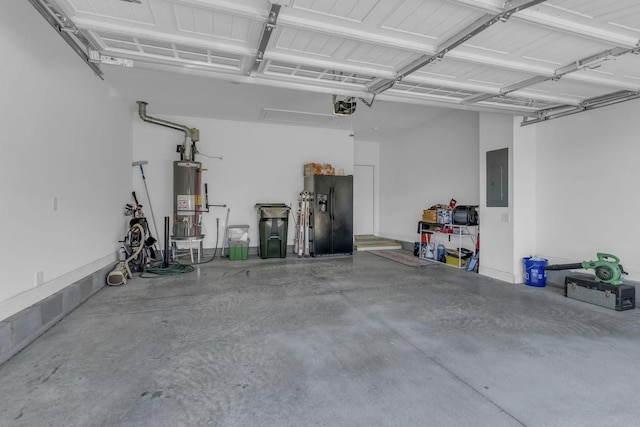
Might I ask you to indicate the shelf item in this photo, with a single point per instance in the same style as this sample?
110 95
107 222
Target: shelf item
427 230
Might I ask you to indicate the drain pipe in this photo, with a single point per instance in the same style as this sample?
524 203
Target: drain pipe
191 133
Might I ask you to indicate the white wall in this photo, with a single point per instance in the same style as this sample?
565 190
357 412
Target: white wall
508 233
260 163
587 186
524 192
368 153
427 165
572 189
64 137
496 223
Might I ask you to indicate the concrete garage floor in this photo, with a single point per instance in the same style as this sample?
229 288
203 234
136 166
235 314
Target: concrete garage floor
343 341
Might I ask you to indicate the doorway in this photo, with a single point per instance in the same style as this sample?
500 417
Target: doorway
363 199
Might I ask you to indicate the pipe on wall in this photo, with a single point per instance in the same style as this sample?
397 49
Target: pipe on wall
191 133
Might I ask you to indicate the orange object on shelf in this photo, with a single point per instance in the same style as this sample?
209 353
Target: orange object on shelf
318 169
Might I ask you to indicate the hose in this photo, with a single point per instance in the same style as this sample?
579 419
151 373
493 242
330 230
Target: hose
158 270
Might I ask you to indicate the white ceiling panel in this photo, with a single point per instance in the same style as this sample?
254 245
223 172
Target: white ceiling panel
350 10
114 9
307 42
602 12
366 53
627 67
469 54
310 73
522 40
431 91
475 73
570 89
209 23
433 19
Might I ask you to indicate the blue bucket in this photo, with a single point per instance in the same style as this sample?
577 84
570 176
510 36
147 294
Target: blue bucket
534 272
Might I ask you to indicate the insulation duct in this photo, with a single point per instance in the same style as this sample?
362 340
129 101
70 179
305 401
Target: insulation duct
188 151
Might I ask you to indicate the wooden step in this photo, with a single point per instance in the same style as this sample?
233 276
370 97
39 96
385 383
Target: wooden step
370 242
377 246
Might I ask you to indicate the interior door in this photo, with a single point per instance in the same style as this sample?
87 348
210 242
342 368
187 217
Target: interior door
363 199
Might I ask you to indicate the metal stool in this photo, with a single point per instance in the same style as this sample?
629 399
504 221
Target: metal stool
190 240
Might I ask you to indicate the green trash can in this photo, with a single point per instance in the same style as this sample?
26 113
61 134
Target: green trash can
273 223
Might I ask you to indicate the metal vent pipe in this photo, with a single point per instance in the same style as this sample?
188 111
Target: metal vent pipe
192 133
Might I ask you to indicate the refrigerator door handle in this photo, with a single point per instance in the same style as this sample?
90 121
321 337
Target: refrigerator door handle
331 200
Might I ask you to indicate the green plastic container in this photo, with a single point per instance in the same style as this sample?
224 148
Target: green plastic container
238 251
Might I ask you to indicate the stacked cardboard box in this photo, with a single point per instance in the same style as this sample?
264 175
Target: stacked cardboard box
430 215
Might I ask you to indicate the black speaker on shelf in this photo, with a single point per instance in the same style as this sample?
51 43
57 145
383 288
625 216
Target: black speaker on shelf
465 215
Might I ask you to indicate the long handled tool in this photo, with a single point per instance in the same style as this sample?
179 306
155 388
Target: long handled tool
144 180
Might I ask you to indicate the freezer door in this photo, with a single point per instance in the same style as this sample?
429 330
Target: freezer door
342 214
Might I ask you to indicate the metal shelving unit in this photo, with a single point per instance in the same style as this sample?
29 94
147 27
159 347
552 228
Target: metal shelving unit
458 233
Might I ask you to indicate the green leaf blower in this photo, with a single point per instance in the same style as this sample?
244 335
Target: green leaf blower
607 268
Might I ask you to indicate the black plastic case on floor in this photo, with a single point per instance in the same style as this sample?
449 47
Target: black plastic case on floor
584 288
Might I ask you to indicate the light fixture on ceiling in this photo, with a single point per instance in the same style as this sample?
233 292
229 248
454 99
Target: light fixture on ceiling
132 1
344 108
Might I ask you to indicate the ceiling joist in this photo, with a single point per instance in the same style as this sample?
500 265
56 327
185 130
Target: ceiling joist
589 104
480 25
590 62
449 52
269 27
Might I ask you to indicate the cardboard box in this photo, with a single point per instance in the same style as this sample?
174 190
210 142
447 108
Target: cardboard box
430 215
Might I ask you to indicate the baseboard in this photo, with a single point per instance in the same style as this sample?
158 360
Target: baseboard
22 328
497 274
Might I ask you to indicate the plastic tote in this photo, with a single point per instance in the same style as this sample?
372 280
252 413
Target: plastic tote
534 272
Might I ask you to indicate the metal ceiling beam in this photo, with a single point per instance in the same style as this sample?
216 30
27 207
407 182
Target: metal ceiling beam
593 61
462 36
505 90
68 31
590 104
589 62
269 27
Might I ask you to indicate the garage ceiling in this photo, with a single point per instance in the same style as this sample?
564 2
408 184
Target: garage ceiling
538 59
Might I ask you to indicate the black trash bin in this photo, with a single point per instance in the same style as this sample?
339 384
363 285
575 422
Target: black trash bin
273 223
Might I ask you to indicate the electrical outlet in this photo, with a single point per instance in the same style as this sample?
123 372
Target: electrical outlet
54 203
39 278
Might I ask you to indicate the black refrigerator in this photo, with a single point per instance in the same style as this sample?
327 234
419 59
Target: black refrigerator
331 222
